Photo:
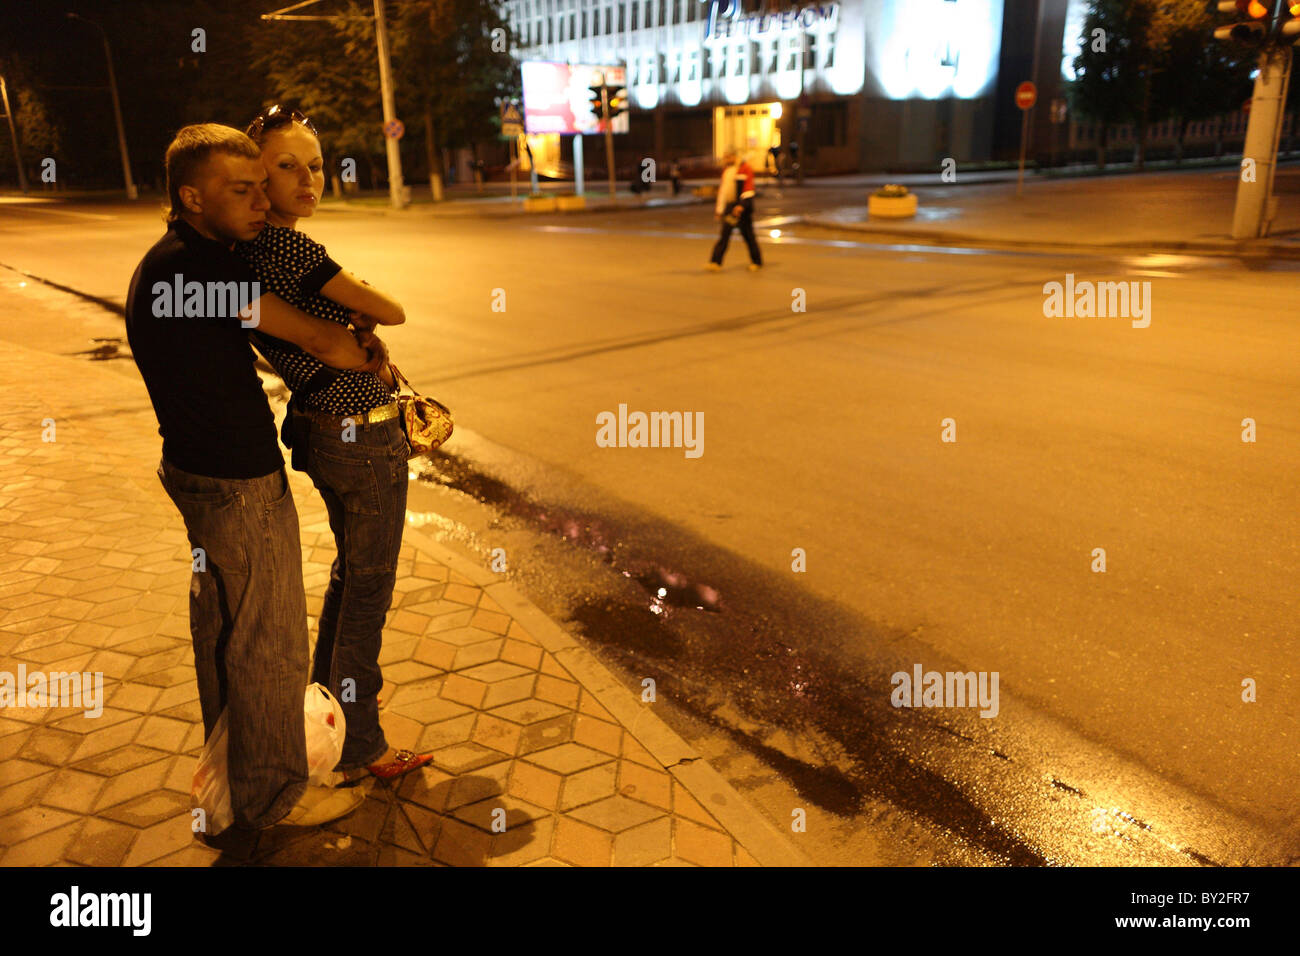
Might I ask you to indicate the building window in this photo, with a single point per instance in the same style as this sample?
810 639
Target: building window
584 24
573 26
646 14
622 26
828 52
810 51
635 15
694 66
609 19
690 10
706 64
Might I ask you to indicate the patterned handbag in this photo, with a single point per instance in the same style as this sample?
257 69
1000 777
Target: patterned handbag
427 422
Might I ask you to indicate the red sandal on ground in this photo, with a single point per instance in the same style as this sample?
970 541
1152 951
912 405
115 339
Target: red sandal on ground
404 761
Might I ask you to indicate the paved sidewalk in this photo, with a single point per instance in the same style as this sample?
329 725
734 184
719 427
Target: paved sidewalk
94 576
1168 213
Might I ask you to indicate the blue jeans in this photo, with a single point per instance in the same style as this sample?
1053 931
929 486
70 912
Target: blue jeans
363 483
248 621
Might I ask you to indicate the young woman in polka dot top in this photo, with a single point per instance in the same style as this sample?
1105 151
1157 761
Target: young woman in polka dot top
345 434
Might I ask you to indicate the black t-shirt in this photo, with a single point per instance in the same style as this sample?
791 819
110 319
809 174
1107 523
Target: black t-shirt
212 413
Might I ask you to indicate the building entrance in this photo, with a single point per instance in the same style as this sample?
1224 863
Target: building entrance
751 130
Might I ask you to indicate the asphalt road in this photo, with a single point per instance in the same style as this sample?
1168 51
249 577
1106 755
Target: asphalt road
823 432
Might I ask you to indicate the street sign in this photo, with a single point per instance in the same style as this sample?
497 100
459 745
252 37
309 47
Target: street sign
1026 95
394 129
512 120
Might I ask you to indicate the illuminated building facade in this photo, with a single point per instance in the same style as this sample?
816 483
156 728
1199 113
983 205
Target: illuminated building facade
858 84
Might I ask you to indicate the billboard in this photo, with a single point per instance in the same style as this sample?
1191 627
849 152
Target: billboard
557 97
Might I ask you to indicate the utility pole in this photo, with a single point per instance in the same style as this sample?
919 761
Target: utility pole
390 111
1253 212
13 132
131 192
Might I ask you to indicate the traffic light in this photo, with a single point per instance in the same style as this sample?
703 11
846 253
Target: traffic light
617 102
597 104
1255 30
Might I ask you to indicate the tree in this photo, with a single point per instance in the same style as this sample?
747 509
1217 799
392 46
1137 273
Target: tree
453 68
1112 72
1194 77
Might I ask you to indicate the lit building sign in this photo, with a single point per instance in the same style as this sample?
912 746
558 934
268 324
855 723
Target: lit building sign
725 19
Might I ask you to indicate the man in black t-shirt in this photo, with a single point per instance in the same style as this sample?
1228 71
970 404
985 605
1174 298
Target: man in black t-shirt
189 307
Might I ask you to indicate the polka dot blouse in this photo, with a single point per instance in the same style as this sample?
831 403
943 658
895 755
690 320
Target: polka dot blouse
295 267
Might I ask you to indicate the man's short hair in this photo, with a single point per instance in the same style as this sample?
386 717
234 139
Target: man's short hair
191 149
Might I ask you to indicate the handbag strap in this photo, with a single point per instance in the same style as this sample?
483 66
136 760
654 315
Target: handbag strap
401 378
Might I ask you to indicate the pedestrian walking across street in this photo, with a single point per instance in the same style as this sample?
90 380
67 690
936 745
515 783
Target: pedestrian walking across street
735 207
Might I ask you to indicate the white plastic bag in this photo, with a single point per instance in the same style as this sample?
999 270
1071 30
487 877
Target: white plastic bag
325 729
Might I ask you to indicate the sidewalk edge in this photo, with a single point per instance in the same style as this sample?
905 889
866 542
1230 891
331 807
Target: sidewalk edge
747 825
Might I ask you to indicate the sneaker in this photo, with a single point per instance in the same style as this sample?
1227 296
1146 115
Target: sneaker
322 804
755 266
713 267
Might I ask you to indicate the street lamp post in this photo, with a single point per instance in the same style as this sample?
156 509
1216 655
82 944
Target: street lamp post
117 107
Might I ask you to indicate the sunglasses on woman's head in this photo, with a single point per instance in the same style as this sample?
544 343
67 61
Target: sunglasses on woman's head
276 117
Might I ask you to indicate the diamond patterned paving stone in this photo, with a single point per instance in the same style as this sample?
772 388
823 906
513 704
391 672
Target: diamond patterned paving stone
30 821
121 760
701 845
476 655
73 790
549 861
567 758
484 814
162 838
429 711
25 793
483 783
134 783
616 814
49 746
395 650
464 636
17 771
435 653
642 783
561 692
546 733
460 844
495 671
645 844
518 652
582 845
538 786
496 733
445 733
428 787
528 711
408 672
588 786
597 734
42 850
463 758
510 690
521 845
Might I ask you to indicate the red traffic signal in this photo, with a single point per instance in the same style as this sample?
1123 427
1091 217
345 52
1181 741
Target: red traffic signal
597 104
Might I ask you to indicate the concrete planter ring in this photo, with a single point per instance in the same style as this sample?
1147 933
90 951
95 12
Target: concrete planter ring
891 206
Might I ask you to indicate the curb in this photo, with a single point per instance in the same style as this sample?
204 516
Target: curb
760 838
1236 248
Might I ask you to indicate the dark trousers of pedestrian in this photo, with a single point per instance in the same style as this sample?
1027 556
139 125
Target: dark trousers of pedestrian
363 483
746 227
248 621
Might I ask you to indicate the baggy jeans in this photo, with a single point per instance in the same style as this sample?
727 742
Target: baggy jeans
363 482
248 621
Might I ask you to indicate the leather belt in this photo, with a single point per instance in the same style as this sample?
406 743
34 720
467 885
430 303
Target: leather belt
373 417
